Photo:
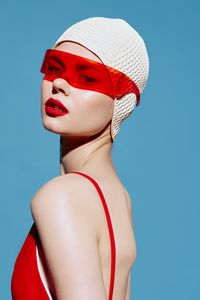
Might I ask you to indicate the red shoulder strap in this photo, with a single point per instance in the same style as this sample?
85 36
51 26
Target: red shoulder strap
111 234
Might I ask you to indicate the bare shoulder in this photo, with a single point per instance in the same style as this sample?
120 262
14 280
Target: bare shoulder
67 197
69 191
64 214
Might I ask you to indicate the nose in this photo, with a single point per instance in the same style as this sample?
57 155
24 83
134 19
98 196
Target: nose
62 85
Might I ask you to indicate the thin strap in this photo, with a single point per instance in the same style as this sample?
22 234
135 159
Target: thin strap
111 234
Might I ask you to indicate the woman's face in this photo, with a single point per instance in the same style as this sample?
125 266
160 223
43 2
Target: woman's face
89 112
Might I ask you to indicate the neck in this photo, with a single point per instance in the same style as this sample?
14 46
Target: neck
91 155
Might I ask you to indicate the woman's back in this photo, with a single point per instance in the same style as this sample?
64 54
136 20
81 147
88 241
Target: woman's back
119 207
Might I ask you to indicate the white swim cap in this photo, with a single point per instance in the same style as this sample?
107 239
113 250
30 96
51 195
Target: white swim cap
119 46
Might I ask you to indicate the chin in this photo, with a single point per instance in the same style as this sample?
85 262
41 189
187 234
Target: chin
50 124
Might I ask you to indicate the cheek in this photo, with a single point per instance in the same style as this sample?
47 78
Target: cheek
45 88
96 108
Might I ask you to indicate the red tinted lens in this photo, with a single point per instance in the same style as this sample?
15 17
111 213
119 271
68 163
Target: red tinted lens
79 71
84 73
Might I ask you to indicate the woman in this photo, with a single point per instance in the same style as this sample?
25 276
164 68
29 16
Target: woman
81 244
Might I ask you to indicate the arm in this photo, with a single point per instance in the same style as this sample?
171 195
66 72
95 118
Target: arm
128 291
64 218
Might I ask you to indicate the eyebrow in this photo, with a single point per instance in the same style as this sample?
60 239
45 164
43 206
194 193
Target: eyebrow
79 66
82 66
55 58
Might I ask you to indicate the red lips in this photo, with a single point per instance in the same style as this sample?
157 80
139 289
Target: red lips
55 108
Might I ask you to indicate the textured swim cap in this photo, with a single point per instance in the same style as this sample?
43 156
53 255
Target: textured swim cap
119 46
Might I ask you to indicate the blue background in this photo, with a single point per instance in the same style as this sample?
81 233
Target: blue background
156 151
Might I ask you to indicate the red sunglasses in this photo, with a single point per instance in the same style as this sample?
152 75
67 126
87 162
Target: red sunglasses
87 74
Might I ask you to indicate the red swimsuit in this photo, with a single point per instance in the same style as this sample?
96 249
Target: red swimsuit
27 283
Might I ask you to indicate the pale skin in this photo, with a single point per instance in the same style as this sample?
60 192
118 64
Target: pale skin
67 209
